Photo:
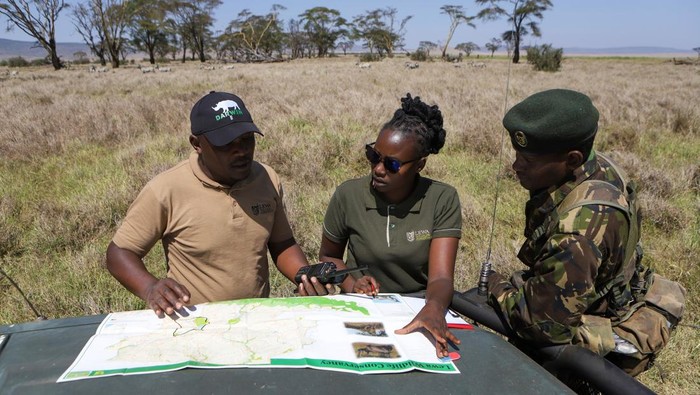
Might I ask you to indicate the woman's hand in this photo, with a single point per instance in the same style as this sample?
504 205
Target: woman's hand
366 285
432 319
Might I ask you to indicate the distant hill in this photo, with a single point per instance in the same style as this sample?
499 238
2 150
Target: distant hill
32 50
627 51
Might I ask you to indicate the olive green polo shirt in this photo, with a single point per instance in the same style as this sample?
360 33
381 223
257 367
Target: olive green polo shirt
215 236
393 240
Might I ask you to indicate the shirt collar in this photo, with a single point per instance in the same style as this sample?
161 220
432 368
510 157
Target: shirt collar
202 176
412 204
556 194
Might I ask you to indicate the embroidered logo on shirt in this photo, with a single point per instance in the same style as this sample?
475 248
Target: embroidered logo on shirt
418 235
261 208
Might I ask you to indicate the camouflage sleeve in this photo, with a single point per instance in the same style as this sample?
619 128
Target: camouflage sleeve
546 307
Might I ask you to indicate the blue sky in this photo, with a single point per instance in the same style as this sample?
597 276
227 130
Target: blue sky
570 23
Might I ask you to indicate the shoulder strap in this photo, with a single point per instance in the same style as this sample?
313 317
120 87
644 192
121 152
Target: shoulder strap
597 192
578 197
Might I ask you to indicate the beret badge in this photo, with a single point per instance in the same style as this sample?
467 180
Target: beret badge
520 138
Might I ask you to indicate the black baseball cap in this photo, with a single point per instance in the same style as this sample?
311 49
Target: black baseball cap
221 117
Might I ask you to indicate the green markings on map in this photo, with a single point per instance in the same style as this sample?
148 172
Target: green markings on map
200 322
196 324
306 302
145 369
293 332
373 366
381 366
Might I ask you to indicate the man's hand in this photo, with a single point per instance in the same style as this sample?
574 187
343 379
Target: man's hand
166 296
432 319
495 279
313 287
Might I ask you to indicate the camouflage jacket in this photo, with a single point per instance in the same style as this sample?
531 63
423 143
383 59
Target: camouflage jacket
573 261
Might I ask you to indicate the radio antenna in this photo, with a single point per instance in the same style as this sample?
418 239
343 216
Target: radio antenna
486 265
14 284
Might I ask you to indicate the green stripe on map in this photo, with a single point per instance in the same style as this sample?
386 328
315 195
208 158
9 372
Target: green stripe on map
374 366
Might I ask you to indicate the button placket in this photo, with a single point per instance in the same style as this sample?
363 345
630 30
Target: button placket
234 205
389 225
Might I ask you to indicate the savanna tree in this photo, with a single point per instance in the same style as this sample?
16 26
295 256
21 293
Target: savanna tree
89 26
37 18
173 38
256 36
114 18
457 17
521 15
381 29
493 45
148 29
80 57
324 27
366 28
296 39
697 50
427 46
346 45
193 20
468 48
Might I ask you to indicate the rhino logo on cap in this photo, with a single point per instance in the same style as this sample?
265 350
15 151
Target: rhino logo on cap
229 108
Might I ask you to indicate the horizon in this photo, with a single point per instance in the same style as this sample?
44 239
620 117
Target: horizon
644 23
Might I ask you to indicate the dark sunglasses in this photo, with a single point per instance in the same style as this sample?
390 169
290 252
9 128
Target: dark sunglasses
392 165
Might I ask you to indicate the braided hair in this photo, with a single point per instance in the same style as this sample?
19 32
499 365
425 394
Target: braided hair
423 120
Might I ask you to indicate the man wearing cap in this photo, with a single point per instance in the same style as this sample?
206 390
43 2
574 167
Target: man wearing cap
217 214
584 275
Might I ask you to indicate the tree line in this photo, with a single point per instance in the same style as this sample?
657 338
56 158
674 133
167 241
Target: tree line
183 29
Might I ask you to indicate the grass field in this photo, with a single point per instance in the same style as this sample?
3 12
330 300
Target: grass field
77 147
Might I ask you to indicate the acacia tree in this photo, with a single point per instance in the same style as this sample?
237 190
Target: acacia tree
255 37
427 46
113 17
176 28
87 24
697 50
296 39
324 26
381 30
468 48
194 20
346 45
493 45
365 27
36 18
521 17
80 57
148 27
457 16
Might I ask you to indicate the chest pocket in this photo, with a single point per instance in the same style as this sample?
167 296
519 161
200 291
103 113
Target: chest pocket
533 248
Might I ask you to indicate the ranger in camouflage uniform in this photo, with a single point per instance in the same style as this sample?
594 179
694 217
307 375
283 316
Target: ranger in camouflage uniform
582 233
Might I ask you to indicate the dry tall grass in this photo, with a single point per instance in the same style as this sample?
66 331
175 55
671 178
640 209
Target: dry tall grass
76 147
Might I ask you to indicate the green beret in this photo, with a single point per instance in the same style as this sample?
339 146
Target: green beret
552 121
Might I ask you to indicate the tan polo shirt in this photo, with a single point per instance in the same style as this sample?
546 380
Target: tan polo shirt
215 237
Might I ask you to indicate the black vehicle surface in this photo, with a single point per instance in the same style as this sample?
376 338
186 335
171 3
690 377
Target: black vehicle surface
33 355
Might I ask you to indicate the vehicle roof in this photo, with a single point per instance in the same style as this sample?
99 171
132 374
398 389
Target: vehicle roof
33 355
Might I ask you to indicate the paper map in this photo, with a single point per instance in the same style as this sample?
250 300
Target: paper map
349 333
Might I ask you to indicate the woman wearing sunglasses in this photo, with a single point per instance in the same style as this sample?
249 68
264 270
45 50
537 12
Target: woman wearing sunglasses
404 227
